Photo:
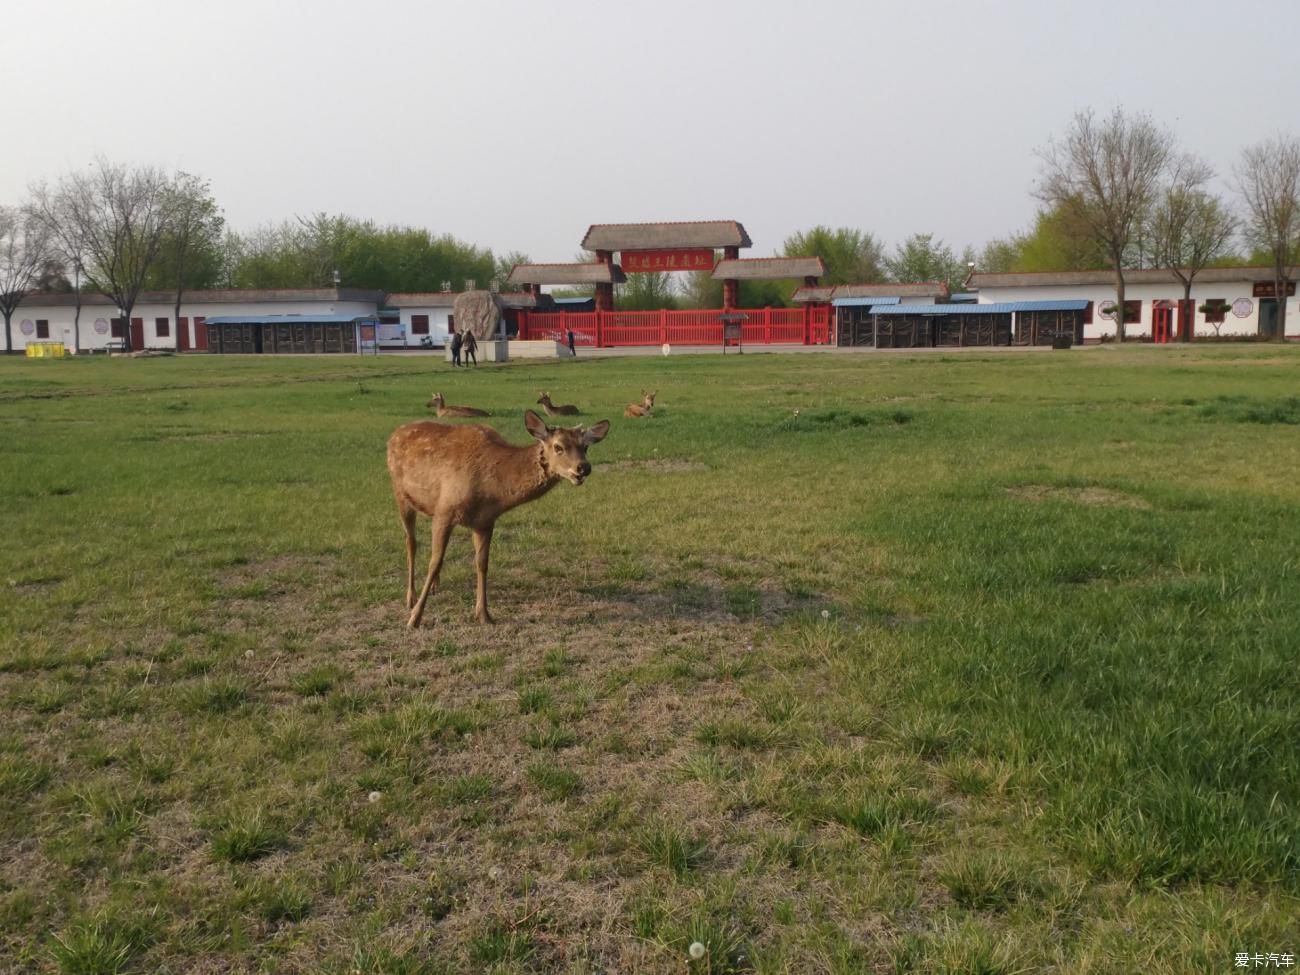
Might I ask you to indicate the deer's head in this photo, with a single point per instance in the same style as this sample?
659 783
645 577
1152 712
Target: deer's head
565 448
543 397
435 400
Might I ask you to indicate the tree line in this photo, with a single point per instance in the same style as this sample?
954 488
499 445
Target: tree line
118 230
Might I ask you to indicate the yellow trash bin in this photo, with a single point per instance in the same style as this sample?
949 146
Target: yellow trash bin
45 350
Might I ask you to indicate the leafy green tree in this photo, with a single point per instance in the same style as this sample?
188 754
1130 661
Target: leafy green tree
851 256
700 290
646 291
1000 255
923 258
305 254
505 264
191 255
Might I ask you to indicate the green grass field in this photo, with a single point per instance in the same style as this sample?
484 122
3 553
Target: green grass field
975 663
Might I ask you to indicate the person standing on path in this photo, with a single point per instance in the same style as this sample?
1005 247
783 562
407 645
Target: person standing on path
470 346
455 349
573 349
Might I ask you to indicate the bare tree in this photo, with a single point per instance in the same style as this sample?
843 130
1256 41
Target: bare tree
1189 227
1269 180
49 209
120 216
1105 175
24 253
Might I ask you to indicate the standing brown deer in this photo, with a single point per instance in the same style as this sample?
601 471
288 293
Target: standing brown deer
440 405
553 410
470 475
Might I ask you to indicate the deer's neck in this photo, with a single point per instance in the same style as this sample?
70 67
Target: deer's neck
525 476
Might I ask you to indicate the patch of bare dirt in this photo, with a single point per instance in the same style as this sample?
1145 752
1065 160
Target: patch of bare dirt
1087 495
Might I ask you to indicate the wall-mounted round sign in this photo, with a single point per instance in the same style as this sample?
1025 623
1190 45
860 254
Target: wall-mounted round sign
1107 310
28 326
101 326
1242 307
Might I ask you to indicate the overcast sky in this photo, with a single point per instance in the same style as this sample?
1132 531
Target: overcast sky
514 125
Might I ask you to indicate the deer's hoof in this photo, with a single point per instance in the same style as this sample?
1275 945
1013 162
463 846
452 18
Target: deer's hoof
483 617
413 622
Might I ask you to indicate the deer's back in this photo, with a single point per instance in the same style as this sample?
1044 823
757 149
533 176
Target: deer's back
437 466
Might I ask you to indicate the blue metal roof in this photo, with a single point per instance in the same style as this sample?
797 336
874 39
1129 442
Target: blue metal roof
965 296
303 319
859 302
572 301
1002 309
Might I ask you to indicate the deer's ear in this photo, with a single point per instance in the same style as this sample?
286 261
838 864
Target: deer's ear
535 425
595 434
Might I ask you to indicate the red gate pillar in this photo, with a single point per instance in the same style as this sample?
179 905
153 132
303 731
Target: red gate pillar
605 292
600 329
730 287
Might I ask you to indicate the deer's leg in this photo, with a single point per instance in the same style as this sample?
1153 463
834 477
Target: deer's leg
482 545
441 532
407 514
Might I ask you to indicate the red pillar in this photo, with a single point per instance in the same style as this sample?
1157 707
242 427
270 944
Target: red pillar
730 288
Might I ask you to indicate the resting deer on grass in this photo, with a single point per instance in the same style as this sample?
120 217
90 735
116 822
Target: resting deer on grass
553 410
644 407
440 405
470 475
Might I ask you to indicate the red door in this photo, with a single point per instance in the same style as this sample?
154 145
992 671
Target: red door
182 335
137 334
200 333
1186 321
1161 320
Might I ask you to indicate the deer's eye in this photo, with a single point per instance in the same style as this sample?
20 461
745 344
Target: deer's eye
559 449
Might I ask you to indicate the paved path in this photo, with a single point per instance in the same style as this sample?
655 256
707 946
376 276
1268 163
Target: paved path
644 350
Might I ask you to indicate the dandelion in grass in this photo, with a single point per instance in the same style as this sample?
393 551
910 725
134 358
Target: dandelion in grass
696 950
826 614
375 796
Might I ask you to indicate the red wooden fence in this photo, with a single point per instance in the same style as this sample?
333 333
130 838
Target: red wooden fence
605 329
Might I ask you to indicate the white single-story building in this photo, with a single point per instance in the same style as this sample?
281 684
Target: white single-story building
1243 295
404 320
50 317
420 315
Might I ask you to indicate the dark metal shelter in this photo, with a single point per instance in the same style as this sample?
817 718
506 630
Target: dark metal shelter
301 334
898 326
